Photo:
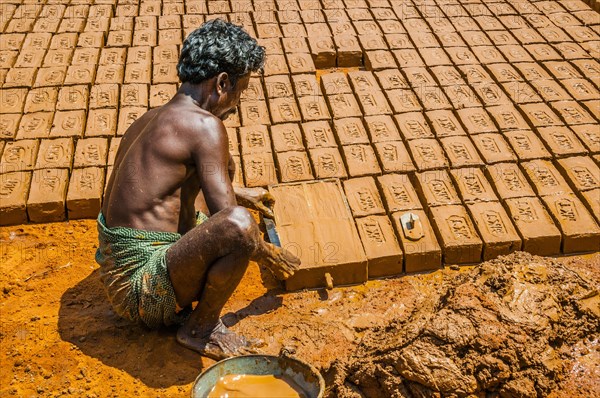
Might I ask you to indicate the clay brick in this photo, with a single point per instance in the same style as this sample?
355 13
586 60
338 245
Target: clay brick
238 178
165 54
391 79
80 74
306 85
579 230
394 157
19 155
540 115
12 100
328 163
20 77
360 160
254 113
508 118
413 126
46 201
493 148
476 74
335 83
160 94
284 110
164 73
473 185
398 193
373 103
233 120
462 96
545 178
84 196
72 98
536 228
294 166
58 57
323 52
436 188
349 53
521 92
477 120
550 90
259 169
455 230
55 154
85 56
337 250
53 76
589 135
14 188
403 101
134 95
435 57
363 81
318 134
561 141
276 65
255 139
121 38
445 124
427 154
379 59
382 128
292 45
91 39
12 41
287 137
233 141
38 100
8 126
91 152
401 41
422 254
573 113
141 54
35 125
255 90
68 124
104 96
571 51
343 105
366 27
138 72
363 197
300 63
381 246
490 93
112 151
509 181
3 73
527 145
313 108
113 56
372 42
278 86
293 30
592 200
495 228
27 58
350 131
581 171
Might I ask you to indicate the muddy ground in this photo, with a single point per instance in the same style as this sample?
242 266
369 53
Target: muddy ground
520 326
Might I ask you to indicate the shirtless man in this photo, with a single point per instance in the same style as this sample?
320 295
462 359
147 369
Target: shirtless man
157 255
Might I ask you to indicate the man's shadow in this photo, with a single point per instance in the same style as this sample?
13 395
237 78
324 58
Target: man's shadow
154 357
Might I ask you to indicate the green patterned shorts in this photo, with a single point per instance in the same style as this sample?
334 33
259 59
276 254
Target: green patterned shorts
134 272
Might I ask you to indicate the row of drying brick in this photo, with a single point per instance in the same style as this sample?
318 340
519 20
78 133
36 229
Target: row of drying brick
345 150
463 221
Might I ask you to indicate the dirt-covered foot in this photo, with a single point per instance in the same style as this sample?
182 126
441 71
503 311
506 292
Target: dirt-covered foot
220 343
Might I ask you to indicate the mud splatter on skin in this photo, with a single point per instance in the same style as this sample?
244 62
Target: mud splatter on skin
509 327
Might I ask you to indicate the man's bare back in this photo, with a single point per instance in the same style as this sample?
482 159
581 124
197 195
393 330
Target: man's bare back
170 155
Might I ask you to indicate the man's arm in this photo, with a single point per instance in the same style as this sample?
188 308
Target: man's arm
211 156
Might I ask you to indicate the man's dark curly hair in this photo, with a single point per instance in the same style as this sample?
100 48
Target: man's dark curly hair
218 46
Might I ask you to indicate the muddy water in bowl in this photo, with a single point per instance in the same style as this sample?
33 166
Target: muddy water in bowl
242 386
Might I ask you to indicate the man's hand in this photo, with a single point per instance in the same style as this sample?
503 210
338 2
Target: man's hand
281 262
256 199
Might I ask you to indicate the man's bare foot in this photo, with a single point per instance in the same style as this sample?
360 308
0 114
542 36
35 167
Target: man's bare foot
218 344
280 261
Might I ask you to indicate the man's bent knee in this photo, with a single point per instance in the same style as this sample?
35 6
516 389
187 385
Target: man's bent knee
244 227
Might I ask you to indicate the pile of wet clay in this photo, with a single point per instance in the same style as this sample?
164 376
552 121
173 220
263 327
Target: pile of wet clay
505 328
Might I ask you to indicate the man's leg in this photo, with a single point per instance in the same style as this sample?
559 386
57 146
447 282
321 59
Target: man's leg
206 265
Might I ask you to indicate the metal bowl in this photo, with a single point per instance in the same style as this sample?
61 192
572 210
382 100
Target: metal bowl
303 374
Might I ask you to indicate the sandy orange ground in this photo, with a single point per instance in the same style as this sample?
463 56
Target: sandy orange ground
59 336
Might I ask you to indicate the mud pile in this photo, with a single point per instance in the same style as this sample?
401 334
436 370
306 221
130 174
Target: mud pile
508 327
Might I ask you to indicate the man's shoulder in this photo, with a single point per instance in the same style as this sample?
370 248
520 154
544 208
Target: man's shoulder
193 123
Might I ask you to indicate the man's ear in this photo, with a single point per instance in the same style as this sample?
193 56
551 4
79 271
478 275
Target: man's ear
223 83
